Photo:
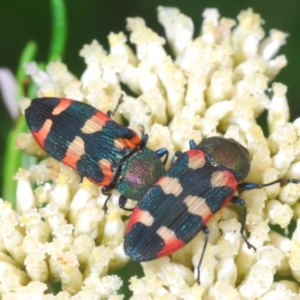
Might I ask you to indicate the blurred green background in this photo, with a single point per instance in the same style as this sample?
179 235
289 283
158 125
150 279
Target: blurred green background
21 21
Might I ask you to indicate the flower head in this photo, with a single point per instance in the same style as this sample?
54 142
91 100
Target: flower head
215 84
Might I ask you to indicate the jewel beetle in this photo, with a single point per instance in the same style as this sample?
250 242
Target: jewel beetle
89 141
199 182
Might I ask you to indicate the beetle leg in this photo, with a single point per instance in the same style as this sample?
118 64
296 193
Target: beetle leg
206 232
239 201
122 203
161 152
107 192
251 185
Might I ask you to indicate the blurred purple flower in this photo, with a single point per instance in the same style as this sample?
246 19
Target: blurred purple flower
8 89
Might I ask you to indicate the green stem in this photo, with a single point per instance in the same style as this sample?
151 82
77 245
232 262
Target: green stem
14 158
59 30
27 55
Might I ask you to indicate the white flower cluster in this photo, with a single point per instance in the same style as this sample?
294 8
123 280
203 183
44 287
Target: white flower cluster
215 84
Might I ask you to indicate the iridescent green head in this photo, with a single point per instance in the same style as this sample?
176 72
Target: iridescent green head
139 172
227 153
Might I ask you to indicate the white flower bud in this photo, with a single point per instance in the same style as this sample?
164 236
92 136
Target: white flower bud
114 228
279 112
61 193
220 86
28 144
71 277
280 291
247 35
83 195
47 169
270 46
34 225
88 220
278 213
149 45
260 277
223 290
39 77
83 246
179 28
25 195
60 74
11 231
99 261
53 217
284 245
